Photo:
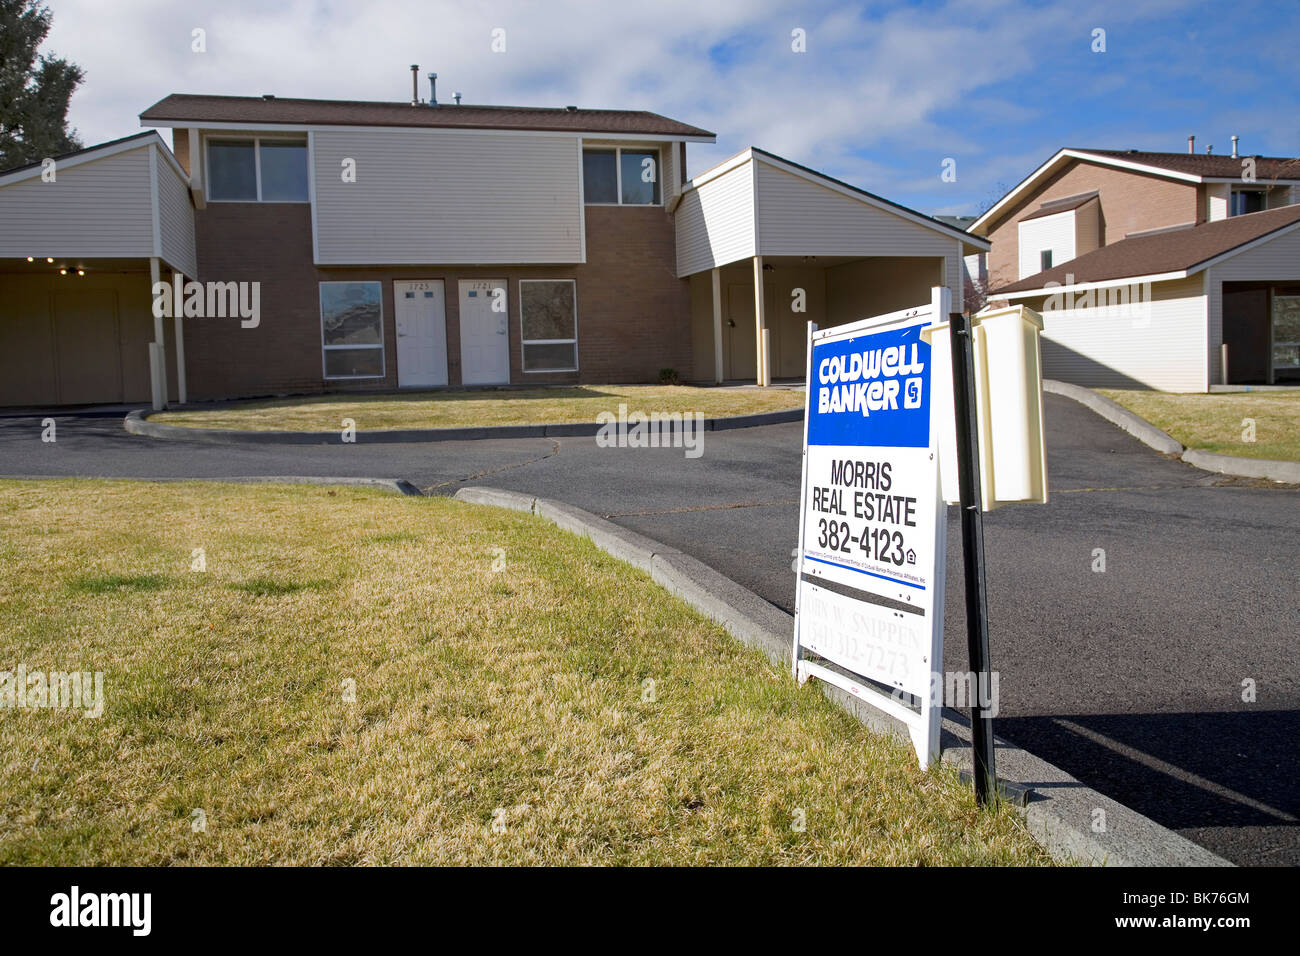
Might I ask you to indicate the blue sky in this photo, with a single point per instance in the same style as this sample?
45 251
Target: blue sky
883 94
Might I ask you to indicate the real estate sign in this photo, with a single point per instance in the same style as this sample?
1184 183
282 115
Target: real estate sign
869 597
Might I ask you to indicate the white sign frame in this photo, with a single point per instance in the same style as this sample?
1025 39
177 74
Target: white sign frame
923 728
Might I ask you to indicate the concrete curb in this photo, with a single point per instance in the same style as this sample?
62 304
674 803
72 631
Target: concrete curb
1117 414
1286 471
1144 431
398 485
137 423
1060 813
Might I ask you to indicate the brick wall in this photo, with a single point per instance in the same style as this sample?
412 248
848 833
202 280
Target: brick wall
1129 201
633 313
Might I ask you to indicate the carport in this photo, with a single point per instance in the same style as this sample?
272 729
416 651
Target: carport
768 246
86 237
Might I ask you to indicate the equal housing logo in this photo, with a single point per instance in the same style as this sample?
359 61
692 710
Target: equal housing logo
21 689
209 300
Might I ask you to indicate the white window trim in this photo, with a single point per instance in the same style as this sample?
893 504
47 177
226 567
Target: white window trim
383 357
524 343
257 166
618 174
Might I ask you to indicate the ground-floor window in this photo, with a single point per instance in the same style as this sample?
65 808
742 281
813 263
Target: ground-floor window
548 313
1286 331
352 329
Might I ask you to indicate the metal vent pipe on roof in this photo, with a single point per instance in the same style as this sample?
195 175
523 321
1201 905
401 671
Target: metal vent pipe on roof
456 97
415 84
1191 144
1234 147
1209 149
433 89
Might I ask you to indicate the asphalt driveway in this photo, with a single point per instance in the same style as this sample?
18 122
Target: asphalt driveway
1131 679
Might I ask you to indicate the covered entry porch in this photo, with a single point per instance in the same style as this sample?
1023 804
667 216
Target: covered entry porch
731 323
768 245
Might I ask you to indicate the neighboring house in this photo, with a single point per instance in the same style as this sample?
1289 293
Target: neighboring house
398 245
1174 271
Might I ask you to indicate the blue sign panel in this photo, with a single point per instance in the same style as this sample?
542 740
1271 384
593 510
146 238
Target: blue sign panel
871 389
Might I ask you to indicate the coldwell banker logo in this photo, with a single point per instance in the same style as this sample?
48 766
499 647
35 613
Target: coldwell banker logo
75 908
209 300
870 381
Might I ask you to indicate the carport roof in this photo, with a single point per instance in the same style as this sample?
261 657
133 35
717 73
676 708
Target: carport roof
920 218
84 151
924 219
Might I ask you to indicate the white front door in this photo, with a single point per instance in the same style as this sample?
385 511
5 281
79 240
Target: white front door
421 313
484 332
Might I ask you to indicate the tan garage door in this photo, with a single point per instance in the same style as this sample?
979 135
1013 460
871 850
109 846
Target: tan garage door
71 347
86 347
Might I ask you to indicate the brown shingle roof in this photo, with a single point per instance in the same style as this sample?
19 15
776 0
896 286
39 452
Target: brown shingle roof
1163 252
196 109
1199 164
1060 205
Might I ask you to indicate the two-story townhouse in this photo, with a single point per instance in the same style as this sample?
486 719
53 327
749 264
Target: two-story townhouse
1177 271
409 245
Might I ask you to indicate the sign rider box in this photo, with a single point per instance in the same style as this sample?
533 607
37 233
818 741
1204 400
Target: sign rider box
871 557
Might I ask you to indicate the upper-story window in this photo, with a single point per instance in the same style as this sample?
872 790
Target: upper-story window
617 176
1246 200
257 169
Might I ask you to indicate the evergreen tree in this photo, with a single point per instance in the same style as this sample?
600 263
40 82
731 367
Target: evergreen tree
34 88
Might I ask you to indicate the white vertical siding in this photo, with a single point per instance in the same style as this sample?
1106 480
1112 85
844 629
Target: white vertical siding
715 222
1054 232
448 197
176 219
1217 199
97 209
1162 346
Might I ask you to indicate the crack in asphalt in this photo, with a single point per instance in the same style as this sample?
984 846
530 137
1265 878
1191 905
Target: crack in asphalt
555 450
1208 482
682 511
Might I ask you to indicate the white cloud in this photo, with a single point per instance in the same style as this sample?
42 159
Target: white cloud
878 99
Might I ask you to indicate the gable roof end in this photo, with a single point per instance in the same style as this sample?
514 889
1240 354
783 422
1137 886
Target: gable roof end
919 218
1184 167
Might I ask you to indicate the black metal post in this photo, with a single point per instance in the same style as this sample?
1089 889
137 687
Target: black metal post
972 541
